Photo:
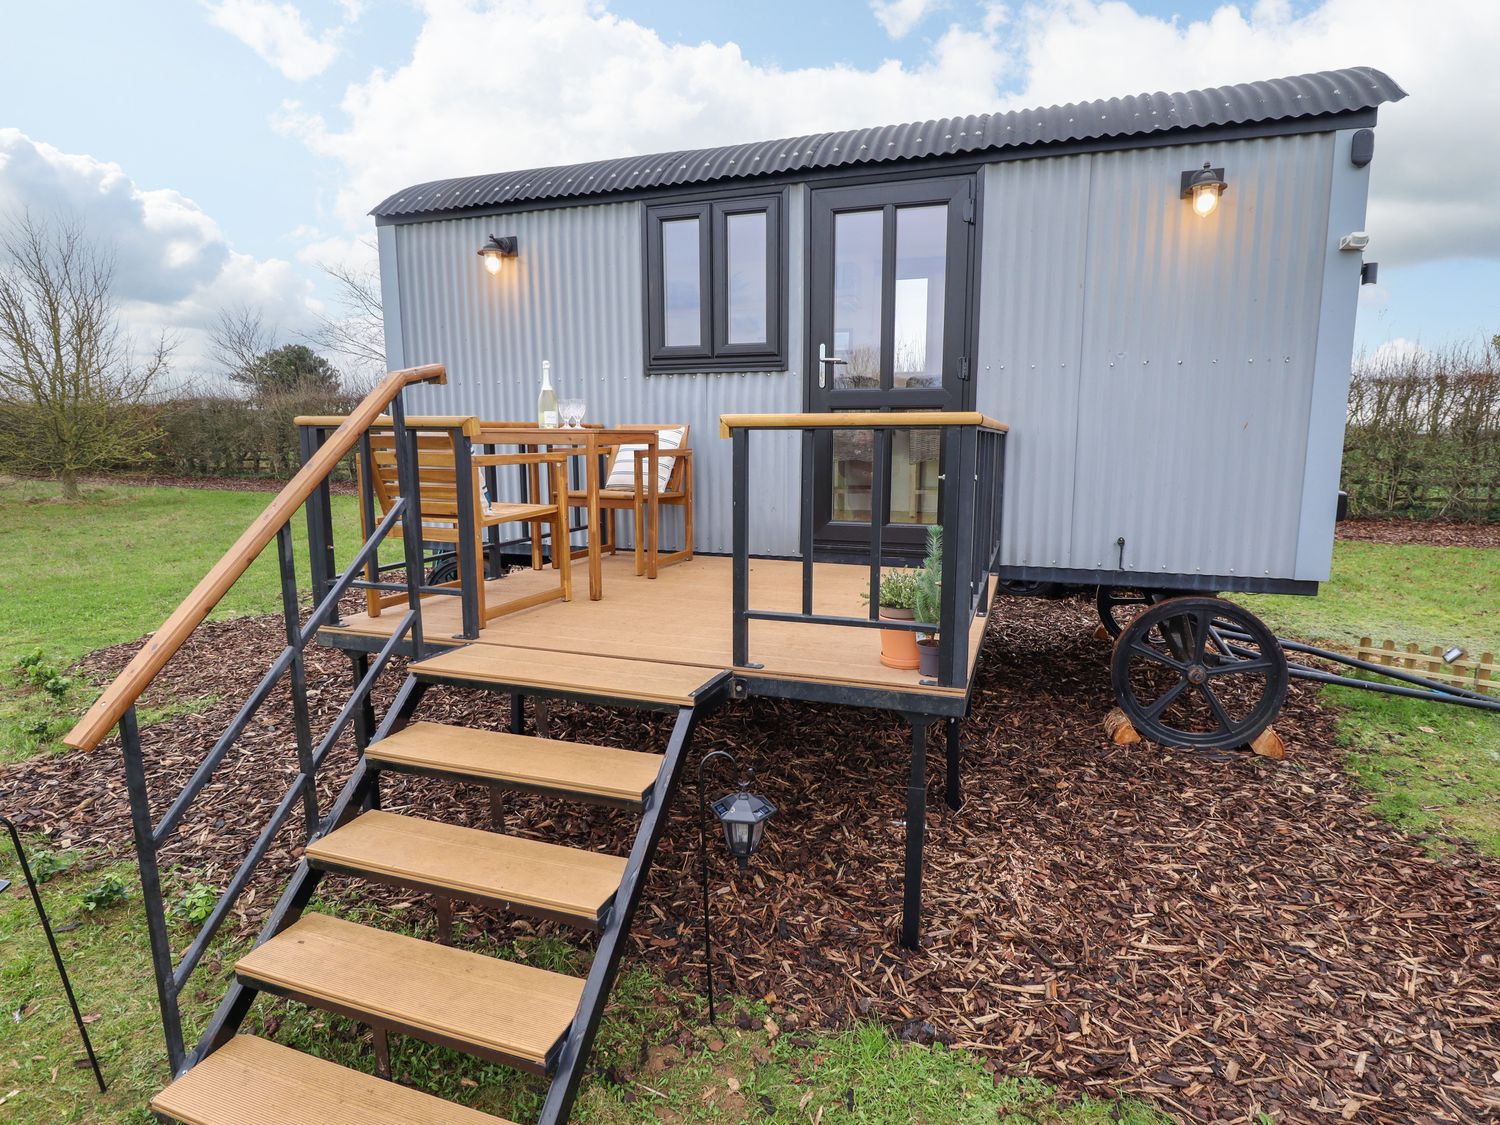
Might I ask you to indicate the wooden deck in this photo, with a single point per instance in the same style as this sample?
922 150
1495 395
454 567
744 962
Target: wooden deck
659 634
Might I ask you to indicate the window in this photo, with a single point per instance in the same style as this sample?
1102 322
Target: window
715 286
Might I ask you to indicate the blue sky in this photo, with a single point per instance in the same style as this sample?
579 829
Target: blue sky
259 152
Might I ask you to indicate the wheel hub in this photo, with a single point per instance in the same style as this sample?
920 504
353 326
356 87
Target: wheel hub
1197 674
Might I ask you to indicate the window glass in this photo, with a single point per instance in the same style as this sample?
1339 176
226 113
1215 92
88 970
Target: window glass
858 258
682 323
921 270
746 282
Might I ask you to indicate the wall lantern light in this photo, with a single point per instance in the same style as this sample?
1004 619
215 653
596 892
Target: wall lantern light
496 250
1204 187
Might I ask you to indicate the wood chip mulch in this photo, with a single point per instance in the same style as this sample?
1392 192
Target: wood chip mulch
1422 533
1223 937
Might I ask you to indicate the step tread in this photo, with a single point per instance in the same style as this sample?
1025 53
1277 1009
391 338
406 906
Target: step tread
469 862
517 759
252 1081
516 1011
570 673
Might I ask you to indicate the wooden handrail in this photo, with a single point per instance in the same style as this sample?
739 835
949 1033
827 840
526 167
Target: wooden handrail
909 419
127 687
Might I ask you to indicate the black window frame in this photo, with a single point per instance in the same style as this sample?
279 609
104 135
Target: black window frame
714 352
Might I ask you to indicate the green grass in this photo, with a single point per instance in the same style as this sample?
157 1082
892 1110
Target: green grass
76 577
654 1058
1432 769
1430 595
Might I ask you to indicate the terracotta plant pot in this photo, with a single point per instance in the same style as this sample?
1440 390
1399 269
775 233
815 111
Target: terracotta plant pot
898 647
927 654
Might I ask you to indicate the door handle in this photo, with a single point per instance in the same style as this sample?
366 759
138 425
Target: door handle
824 359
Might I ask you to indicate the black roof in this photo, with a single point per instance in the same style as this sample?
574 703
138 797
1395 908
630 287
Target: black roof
1278 99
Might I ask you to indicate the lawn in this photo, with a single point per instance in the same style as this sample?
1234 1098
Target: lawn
76 577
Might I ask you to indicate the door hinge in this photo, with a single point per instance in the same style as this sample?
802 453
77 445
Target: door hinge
963 367
969 205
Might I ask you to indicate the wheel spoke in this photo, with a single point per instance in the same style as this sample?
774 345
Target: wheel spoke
1140 648
1165 700
1226 724
1203 621
1261 664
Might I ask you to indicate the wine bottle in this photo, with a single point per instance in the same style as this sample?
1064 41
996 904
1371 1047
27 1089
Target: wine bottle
546 401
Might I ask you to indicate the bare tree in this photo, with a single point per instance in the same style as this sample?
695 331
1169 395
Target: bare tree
358 333
73 397
238 339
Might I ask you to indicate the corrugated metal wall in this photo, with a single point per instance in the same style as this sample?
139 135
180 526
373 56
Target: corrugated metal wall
1156 367
573 296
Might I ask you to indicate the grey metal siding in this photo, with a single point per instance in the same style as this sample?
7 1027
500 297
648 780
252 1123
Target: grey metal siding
1156 368
573 295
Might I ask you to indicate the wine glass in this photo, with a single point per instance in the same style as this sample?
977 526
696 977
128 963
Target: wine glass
572 410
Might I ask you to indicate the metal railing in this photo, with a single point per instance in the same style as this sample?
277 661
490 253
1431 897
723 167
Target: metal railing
118 704
971 504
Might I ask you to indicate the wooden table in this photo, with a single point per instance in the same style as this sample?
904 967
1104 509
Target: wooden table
591 443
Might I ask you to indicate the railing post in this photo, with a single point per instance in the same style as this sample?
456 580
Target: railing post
156 916
408 476
880 491
321 562
470 572
809 509
301 721
496 564
958 537
740 441
367 521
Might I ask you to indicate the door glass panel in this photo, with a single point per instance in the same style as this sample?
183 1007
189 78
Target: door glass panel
746 269
853 471
914 476
681 284
921 268
858 258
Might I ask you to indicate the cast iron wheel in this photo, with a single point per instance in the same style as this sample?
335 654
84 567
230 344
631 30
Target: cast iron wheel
1116 605
1200 673
1019 589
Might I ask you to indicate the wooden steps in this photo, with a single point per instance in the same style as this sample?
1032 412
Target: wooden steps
538 765
529 876
509 1013
606 679
251 1081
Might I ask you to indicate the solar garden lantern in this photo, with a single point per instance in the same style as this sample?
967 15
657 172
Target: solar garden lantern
743 816
1204 187
496 250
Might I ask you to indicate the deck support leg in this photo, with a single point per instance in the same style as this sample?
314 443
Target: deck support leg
497 808
382 1053
517 713
541 710
954 796
916 825
364 717
443 906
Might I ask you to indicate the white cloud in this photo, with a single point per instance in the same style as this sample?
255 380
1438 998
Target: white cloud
898 17
174 268
573 81
1396 352
280 34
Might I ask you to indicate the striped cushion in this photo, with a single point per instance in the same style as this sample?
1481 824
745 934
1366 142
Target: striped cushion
622 472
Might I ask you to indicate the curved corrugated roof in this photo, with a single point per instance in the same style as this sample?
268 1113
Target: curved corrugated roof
1303 95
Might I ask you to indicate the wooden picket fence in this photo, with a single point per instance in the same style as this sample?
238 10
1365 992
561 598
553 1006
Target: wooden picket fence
1477 674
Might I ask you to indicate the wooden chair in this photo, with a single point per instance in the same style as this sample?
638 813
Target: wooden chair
438 501
625 490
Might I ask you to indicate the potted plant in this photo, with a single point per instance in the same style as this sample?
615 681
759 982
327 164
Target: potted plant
928 600
898 593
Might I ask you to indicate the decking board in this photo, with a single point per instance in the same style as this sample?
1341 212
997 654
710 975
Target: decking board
681 618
